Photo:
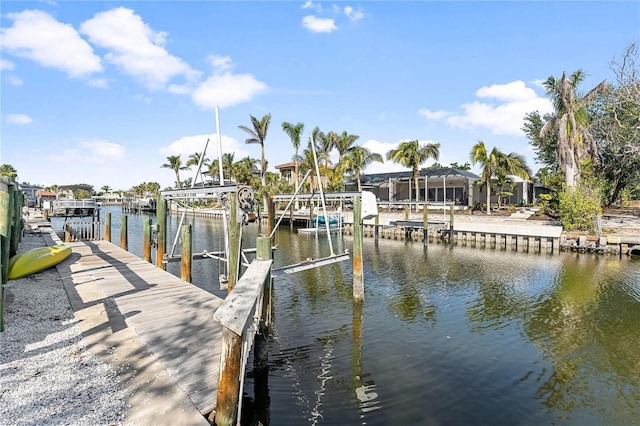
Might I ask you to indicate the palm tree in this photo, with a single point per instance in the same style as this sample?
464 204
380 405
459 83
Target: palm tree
257 135
106 189
294 132
343 143
575 143
174 162
411 154
357 158
496 163
8 170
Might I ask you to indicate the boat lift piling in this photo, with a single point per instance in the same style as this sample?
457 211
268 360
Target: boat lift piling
161 218
146 242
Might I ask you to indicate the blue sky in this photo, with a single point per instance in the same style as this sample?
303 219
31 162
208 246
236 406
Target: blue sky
102 92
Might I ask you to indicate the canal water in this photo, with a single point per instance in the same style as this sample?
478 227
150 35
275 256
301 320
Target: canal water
447 335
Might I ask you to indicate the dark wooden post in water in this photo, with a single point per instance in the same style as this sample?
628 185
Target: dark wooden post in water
451 215
146 243
161 218
358 278
124 242
235 240
185 255
107 227
425 224
376 229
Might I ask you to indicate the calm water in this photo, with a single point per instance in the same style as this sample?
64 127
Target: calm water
446 335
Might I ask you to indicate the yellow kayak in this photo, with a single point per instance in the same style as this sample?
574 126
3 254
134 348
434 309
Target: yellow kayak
35 260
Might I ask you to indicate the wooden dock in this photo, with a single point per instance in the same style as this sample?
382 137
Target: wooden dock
172 319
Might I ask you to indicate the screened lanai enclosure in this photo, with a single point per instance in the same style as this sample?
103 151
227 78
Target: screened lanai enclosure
441 186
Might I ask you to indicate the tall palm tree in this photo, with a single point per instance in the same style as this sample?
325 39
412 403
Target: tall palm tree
294 131
343 143
575 143
412 154
495 164
357 158
106 189
257 135
174 162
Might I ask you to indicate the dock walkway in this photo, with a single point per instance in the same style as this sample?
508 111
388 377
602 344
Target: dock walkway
156 329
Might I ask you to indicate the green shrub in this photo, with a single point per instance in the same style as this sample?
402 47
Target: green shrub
578 207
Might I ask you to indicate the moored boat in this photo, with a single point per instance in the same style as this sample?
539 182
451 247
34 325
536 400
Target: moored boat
634 251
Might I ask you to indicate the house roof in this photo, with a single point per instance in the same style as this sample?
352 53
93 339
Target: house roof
380 178
287 165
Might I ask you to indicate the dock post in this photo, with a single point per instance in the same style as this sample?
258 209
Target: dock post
260 351
376 229
146 243
185 255
5 235
451 216
18 226
107 226
226 411
406 212
235 237
358 278
124 243
161 218
291 218
13 241
271 218
425 225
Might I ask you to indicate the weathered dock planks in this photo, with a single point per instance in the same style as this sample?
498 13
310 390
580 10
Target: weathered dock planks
173 318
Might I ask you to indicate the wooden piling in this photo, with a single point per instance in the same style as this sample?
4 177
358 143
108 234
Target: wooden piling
161 218
425 225
124 242
406 212
376 230
226 411
261 346
271 219
5 236
13 241
186 254
451 216
107 227
235 241
5 232
146 242
358 278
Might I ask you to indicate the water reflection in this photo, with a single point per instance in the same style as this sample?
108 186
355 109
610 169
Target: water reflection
446 335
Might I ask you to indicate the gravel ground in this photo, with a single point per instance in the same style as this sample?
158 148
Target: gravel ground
46 374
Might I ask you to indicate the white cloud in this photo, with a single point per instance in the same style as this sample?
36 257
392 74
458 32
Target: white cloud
433 115
135 47
100 83
227 89
91 152
19 119
319 25
15 81
514 91
220 63
36 35
353 15
504 116
6 65
311 5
